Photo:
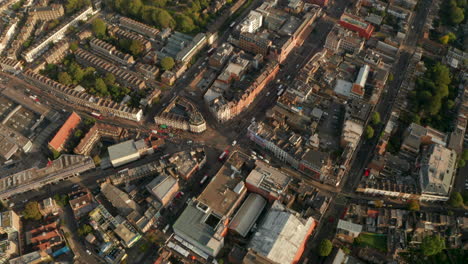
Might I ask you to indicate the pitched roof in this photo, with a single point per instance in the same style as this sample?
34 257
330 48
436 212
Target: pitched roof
62 135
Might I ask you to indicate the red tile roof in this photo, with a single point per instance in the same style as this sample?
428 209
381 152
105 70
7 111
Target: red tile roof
62 135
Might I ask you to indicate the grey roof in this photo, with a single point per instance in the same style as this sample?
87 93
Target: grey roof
121 150
119 199
161 185
248 213
349 226
192 227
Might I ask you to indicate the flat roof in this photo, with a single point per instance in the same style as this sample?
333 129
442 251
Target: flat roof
225 188
281 234
121 150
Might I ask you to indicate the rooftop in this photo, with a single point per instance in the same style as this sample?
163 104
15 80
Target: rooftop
281 235
62 135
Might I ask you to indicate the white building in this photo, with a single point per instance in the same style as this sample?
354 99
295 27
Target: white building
252 22
437 173
123 153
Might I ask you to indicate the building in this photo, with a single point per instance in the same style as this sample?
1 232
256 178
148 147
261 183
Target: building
437 173
251 23
182 114
57 52
248 213
168 77
44 237
34 257
204 222
123 153
81 201
197 43
348 231
185 164
58 33
98 131
122 76
124 34
221 56
127 233
356 24
267 181
416 136
281 237
66 166
10 65
138 27
49 206
341 39
61 137
11 141
9 222
351 134
46 13
164 188
119 199
254 43
111 52
66 93
148 71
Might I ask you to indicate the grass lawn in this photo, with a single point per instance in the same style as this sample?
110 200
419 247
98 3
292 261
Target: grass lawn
377 241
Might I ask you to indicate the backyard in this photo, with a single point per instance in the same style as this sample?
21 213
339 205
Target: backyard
377 241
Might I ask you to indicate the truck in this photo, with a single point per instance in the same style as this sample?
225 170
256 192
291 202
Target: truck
223 155
96 115
280 92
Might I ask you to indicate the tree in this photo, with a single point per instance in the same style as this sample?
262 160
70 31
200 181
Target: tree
101 87
461 163
31 211
84 230
464 154
379 203
375 118
456 15
109 79
99 28
432 245
444 39
413 205
369 132
64 78
136 47
456 199
76 72
78 133
164 19
167 63
465 197
391 77
185 23
325 248
73 46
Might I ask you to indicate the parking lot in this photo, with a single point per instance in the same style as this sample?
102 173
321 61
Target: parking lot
330 126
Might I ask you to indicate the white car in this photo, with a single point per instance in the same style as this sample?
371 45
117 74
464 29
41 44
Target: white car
234 143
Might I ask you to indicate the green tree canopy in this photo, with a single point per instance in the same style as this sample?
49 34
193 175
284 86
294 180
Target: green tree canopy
65 78
456 199
99 28
413 205
185 23
136 47
109 79
101 87
432 245
456 14
375 118
369 132
464 154
84 230
163 19
31 211
167 63
325 248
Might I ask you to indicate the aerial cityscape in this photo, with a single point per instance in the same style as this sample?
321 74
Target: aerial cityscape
234 131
